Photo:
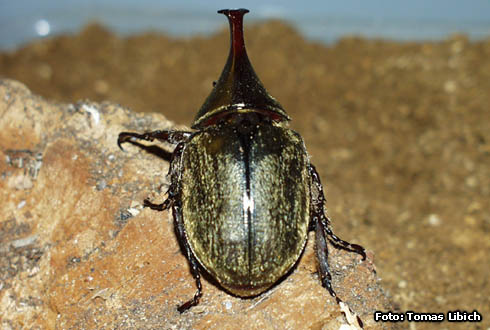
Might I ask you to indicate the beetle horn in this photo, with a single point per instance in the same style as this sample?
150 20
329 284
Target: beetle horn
238 88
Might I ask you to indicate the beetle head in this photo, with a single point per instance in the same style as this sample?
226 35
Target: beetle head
238 89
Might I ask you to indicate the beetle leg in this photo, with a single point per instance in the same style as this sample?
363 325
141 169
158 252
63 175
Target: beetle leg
318 213
192 260
173 171
322 255
159 207
321 224
325 275
343 244
172 137
173 192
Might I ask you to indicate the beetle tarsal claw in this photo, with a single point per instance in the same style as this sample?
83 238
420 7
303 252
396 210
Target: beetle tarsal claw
125 137
120 141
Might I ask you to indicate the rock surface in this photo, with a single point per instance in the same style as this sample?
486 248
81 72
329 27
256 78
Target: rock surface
77 250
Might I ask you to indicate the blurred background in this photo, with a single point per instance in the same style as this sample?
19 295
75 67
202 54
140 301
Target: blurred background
327 21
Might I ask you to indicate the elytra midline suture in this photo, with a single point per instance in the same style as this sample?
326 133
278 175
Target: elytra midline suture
243 193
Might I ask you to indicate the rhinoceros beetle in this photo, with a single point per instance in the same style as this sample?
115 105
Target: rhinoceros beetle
243 192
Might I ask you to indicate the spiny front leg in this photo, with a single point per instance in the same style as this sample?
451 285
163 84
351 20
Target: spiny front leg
172 137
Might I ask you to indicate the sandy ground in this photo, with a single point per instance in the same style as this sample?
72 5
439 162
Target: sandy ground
400 133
